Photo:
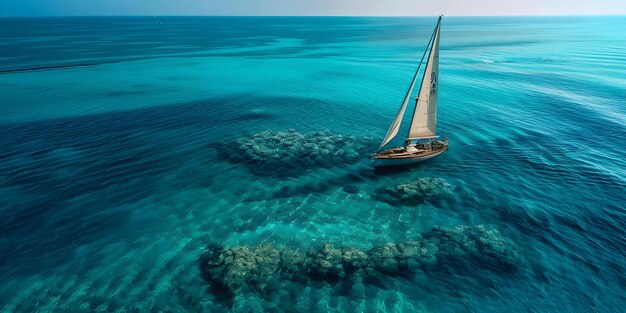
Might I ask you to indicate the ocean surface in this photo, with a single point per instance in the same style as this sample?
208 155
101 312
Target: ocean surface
123 157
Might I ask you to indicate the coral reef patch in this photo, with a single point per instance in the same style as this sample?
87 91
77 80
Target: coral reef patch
415 192
288 152
483 244
264 268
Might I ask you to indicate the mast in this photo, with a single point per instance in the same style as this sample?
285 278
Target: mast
424 121
395 125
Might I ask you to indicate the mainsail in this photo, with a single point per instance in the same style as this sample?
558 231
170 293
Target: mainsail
434 58
424 123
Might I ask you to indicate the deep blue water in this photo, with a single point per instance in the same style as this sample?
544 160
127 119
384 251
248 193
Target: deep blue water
111 185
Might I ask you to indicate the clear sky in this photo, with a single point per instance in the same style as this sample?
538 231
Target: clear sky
310 7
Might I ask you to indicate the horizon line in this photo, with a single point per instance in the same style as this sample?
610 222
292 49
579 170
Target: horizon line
192 15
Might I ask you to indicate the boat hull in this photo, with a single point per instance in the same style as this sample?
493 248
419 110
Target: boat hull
382 162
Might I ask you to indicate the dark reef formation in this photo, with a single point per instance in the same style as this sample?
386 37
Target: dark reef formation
264 268
289 152
416 192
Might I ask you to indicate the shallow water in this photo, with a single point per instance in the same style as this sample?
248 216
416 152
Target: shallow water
111 185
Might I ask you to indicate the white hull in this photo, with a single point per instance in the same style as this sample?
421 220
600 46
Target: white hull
402 161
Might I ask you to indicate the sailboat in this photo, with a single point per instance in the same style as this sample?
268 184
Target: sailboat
422 142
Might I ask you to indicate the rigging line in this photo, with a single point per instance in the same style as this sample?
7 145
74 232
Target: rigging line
422 82
409 90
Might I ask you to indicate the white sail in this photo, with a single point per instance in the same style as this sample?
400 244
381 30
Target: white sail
395 125
424 122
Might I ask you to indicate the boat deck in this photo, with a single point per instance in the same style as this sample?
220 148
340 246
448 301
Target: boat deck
401 153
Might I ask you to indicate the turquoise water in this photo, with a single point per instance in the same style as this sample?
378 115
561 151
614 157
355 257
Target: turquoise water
117 171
